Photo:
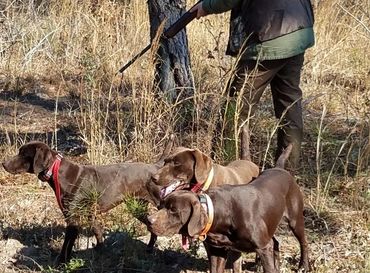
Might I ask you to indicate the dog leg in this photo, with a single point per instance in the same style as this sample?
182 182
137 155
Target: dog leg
297 228
71 234
276 254
296 223
234 261
217 258
217 264
98 232
150 246
266 255
257 261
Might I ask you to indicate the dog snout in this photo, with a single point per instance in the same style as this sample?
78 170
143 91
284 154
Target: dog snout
12 166
155 178
152 219
6 166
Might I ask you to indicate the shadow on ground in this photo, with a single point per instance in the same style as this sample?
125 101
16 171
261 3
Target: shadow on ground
121 253
41 99
323 224
39 247
69 140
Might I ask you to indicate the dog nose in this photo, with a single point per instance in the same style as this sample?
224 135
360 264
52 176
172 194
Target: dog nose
152 219
155 178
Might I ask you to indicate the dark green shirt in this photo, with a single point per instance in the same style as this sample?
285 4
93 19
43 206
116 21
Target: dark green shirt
282 47
219 6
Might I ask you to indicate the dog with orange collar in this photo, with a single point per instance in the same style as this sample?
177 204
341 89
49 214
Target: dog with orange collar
239 218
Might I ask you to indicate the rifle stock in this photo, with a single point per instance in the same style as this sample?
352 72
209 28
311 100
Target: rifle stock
185 19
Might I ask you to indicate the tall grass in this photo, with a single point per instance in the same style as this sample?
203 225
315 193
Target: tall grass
79 45
73 49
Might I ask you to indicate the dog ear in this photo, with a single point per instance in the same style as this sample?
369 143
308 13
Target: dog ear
42 160
203 165
197 219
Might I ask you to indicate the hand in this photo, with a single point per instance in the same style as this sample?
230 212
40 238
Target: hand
200 11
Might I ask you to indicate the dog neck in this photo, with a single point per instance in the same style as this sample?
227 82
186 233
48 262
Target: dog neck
51 176
177 185
207 205
200 186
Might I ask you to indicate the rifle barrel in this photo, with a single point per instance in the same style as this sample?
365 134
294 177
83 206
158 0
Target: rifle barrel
137 56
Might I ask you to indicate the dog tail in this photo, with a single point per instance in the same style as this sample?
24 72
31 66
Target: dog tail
168 148
280 163
245 151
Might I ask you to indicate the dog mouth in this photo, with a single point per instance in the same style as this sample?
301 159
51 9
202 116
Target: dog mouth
155 230
160 230
12 170
174 186
7 168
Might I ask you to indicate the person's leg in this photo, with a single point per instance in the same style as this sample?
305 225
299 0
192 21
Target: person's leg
249 83
287 98
244 91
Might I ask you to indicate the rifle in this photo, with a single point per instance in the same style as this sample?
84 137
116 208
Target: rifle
185 19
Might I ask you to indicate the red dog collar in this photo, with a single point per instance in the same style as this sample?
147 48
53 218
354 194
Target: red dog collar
199 187
53 173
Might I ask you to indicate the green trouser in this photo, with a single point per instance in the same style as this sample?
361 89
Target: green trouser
245 90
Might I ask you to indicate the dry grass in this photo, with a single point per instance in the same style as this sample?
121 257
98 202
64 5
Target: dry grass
58 83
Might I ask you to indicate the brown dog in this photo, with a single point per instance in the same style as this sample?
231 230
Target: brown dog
245 217
111 183
191 169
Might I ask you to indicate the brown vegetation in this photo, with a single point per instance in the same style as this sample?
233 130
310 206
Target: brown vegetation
58 83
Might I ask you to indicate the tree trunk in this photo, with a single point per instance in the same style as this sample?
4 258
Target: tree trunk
173 70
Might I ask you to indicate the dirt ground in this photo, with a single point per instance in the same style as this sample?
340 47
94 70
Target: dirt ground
32 227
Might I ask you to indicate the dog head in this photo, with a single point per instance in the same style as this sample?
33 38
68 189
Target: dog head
185 167
33 157
181 213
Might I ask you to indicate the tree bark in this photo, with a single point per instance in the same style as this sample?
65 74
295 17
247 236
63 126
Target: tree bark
173 70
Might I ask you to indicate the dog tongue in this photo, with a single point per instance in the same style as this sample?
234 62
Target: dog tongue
169 189
185 242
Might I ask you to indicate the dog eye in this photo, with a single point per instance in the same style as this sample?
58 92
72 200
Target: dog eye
176 163
173 209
